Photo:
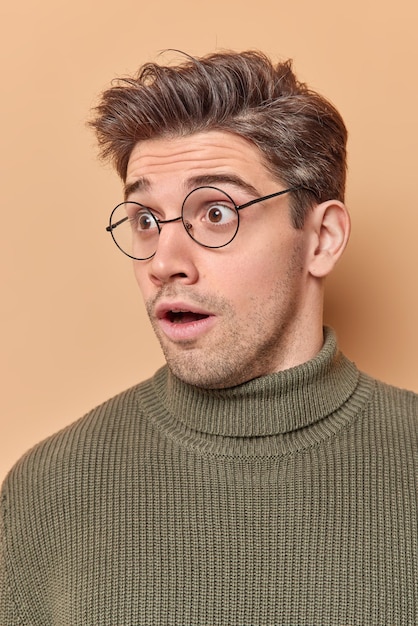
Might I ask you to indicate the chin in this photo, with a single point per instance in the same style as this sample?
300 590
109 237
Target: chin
206 374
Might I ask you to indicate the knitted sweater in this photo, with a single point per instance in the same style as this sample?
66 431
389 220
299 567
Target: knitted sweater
288 500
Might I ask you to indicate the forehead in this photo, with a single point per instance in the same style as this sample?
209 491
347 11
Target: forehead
185 158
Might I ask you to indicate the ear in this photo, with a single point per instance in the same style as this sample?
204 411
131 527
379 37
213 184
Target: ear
330 229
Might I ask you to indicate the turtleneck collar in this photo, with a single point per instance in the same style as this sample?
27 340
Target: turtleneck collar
274 404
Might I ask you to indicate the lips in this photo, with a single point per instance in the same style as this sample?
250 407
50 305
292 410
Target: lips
181 321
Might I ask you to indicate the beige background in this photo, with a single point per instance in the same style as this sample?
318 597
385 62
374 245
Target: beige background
73 328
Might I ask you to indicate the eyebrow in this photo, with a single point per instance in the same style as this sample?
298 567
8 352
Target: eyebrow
141 184
215 179
202 180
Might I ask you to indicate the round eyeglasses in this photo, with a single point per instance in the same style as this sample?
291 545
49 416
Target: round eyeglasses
209 216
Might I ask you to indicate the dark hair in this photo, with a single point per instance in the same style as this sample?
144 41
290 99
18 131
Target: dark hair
301 135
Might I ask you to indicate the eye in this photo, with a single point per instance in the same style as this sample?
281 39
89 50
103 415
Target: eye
219 213
144 221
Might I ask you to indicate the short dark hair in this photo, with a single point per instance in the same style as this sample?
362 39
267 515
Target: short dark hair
300 134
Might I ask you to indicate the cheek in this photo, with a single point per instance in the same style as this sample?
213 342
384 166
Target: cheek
270 267
244 281
142 278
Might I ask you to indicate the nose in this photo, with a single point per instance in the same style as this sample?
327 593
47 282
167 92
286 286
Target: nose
175 258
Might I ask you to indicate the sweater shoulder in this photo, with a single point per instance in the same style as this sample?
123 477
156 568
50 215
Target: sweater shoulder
394 405
396 396
101 431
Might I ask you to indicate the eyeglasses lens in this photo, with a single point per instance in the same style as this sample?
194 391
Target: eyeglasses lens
210 217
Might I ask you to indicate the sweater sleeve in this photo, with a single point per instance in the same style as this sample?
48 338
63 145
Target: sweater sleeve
9 615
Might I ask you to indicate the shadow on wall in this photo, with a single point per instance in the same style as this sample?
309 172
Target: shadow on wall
371 305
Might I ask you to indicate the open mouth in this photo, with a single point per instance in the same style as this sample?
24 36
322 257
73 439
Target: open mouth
184 317
184 323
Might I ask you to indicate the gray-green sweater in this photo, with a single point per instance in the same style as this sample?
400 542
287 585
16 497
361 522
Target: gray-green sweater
290 499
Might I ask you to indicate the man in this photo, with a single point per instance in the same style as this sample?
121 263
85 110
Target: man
258 478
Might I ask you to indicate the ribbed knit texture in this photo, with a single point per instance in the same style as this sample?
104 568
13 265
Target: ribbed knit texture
289 500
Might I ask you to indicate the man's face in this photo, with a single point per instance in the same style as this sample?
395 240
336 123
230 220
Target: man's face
223 316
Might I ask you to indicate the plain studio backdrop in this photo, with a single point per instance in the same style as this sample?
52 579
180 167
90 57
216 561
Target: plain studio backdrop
74 331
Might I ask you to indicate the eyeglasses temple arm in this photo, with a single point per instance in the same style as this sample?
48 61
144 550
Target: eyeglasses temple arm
113 226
